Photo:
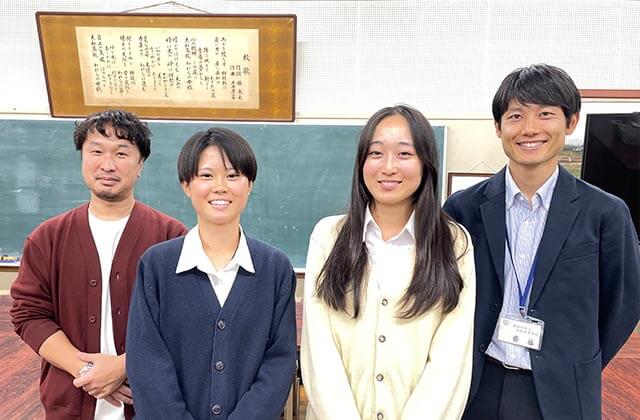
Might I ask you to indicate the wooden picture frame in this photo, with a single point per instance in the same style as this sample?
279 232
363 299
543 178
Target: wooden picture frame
457 181
160 66
610 93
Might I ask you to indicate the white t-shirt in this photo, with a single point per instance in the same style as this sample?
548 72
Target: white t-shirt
106 235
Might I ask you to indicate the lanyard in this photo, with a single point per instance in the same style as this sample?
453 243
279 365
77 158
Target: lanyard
522 295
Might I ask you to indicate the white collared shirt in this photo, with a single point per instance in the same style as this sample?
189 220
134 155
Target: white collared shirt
193 255
384 256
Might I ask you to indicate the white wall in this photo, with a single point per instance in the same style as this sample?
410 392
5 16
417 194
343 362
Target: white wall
353 57
444 57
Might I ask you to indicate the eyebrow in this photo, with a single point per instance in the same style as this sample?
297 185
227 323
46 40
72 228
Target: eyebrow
401 142
227 168
520 106
126 145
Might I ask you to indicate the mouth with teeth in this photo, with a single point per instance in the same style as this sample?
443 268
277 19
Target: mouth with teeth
531 145
219 203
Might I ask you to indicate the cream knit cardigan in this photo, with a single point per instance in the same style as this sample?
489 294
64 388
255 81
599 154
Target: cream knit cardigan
379 366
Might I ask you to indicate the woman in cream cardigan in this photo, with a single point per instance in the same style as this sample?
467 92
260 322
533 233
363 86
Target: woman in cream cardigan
389 288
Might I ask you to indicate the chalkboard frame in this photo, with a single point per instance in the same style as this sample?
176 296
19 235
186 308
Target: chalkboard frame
304 174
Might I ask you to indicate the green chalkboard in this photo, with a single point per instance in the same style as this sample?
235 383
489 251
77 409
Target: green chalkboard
304 174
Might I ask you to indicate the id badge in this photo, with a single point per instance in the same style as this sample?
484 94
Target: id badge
524 332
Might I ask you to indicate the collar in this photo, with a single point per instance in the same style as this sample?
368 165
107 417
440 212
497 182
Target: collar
193 255
113 222
370 223
544 193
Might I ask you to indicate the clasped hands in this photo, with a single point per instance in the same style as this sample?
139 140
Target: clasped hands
105 379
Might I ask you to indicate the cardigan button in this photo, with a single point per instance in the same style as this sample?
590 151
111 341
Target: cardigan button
380 416
379 377
221 324
384 302
493 307
382 338
216 409
219 365
482 348
93 282
92 319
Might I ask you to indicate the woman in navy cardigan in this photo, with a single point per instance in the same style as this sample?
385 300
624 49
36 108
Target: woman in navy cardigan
212 331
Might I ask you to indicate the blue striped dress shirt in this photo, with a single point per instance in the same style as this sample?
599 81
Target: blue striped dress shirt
525 223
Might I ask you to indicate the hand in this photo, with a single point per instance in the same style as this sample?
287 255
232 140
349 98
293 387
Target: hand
106 376
119 396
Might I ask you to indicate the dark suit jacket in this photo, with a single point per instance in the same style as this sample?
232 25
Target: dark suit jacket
586 287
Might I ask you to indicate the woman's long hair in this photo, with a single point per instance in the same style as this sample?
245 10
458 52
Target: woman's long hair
436 280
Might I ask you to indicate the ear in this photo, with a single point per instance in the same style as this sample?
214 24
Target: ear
250 186
573 123
498 130
140 167
186 189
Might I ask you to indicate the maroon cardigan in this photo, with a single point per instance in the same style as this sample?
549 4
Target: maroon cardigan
58 287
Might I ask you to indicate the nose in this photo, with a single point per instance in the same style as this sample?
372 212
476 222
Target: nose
530 127
220 185
389 165
108 163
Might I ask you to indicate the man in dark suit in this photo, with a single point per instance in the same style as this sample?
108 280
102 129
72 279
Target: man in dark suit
557 264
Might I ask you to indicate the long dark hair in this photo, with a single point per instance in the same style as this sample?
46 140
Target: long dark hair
436 280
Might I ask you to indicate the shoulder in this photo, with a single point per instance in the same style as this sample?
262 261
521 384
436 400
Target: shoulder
592 201
152 214
327 229
271 264
464 206
159 219
596 198
470 194
59 223
262 252
164 253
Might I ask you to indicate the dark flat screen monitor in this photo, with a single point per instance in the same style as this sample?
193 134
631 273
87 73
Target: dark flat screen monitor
611 157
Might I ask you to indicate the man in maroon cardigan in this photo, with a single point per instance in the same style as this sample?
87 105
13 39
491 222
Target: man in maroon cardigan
72 293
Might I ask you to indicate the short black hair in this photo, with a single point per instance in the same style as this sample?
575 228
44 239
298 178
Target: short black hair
232 144
127 126
540 84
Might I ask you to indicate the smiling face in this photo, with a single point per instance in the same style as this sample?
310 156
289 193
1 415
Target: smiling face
218 192
533 135
392 170
110 166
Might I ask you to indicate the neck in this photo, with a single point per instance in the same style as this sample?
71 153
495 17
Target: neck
390 219
219 242
111 210
530 180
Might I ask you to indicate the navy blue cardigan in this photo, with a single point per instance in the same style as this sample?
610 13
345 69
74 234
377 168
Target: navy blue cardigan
187 358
